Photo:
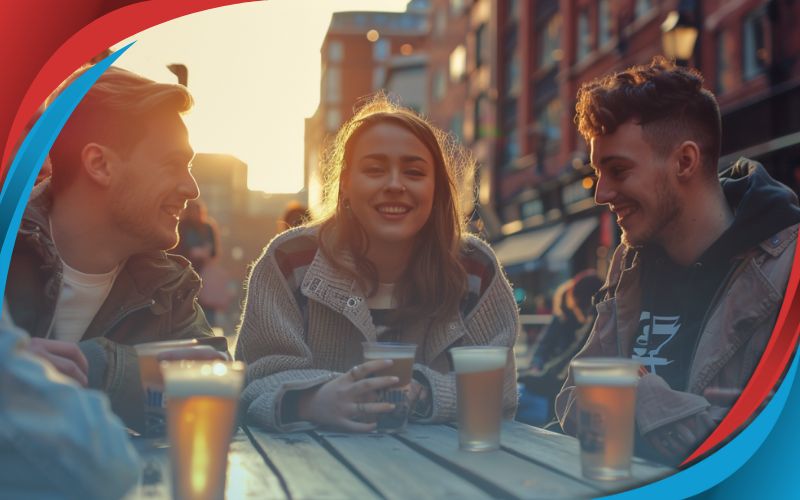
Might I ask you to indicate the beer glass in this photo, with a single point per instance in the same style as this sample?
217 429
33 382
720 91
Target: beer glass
402 356
479 385
153 383
605 390
202 399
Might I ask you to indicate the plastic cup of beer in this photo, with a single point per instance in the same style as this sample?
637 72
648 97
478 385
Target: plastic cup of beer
605 390
479 386
402 356
202 401
153 383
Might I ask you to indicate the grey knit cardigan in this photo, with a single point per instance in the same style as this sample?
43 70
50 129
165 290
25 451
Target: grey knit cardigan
304 321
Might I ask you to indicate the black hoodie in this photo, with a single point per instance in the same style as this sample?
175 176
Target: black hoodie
676 298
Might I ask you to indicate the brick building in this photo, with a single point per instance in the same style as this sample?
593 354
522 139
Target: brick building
360 50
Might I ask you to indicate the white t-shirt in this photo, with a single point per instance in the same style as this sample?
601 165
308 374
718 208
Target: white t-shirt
80 298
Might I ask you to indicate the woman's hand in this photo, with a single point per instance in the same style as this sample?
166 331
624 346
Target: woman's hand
350 400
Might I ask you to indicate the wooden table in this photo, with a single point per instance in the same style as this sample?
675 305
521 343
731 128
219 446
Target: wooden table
423 462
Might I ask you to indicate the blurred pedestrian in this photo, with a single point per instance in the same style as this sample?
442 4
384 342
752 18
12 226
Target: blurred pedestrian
573 317
294 215
199 242
198 239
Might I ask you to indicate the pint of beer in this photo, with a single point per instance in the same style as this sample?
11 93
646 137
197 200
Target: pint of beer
479 386
402 356
202 398
153 384
605 390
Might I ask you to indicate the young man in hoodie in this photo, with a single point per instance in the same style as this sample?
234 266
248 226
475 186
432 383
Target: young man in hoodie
694 289
89 265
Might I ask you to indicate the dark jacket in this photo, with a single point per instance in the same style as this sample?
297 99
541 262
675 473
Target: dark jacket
153 298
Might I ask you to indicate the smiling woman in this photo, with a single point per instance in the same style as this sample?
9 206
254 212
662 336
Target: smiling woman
388 260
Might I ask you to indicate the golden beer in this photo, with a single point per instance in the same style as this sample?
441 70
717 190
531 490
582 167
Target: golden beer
202 399
606 403
480 371
402 356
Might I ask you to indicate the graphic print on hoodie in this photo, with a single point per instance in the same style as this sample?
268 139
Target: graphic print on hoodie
677 298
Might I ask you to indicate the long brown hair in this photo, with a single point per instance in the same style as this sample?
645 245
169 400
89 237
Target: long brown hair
436 281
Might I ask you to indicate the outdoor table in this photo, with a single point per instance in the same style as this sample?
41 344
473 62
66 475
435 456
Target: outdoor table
422 462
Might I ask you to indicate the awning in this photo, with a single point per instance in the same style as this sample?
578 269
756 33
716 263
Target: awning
576 233
525 248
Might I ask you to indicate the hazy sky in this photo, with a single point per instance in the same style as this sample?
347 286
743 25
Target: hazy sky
254 71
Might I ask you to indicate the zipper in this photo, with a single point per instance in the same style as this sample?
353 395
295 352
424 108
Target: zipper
125 314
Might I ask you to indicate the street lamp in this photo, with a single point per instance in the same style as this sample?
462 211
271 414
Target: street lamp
678 37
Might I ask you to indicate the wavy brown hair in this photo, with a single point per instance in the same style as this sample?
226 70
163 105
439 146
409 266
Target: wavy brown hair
668 101
435 282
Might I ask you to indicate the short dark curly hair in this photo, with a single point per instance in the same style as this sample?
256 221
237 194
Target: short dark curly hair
668 101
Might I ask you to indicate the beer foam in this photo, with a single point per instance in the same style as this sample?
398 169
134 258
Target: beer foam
388 354
620 379
478 359
202 379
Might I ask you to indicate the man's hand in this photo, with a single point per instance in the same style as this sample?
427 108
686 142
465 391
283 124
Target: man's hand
66 357
677 440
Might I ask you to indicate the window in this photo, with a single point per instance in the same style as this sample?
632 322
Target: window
513 10
484 118
550 42
458 63
531 208
510 149
512 75
439 85
456 6
548 120
755 55
457 125
481 45
439 23
333 84
724 70
381 49
584 42
335 51
332 119
642 7
603 22
378 77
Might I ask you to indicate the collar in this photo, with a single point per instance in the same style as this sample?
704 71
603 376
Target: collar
329 286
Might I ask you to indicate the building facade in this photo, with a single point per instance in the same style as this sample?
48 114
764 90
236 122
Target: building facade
503 76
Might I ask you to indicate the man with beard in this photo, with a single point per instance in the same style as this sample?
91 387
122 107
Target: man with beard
694 289
89 265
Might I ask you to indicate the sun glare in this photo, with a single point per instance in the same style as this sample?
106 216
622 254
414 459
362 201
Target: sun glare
254 71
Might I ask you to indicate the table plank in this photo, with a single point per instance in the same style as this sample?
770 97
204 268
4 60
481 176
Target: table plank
508 475
308 469
248 474
562 452
396 470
